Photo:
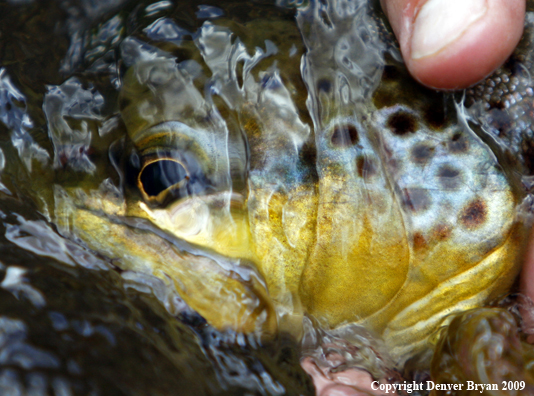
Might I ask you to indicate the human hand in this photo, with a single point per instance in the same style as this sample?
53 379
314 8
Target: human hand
451 44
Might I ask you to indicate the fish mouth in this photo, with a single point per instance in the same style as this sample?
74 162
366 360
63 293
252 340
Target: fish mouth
200 274
103 217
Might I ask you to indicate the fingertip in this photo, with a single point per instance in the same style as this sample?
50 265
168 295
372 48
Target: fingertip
452 44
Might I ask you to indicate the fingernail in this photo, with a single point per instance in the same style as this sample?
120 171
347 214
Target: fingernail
440 22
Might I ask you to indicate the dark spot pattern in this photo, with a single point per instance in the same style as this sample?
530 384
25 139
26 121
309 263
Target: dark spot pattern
392 163
324 85
435 116
416 199
458 144
422 153
402 123
441 232
390 73
449 177
366 167
345 136
474 214
419 241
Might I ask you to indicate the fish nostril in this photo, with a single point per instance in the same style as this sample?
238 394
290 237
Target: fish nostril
160 175
402 123
345 136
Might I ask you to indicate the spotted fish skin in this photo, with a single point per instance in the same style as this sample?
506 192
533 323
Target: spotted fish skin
410 171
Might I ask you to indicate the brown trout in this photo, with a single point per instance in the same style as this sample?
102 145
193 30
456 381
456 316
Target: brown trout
276 169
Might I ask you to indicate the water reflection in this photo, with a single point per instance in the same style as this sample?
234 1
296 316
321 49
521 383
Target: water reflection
71 103
14 115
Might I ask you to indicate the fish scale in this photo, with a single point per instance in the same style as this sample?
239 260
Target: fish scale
503 104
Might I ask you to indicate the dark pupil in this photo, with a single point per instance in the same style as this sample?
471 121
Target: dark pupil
160 175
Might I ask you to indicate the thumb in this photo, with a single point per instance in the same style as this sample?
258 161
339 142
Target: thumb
451 44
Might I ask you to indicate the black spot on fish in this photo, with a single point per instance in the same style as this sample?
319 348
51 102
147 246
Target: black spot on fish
441 232
474 214
366 167
324 85
449 177
458 144
416 199
345 136
419 241
422 153
402 123
434 115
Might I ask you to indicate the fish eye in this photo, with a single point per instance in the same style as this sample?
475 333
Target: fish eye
160 177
